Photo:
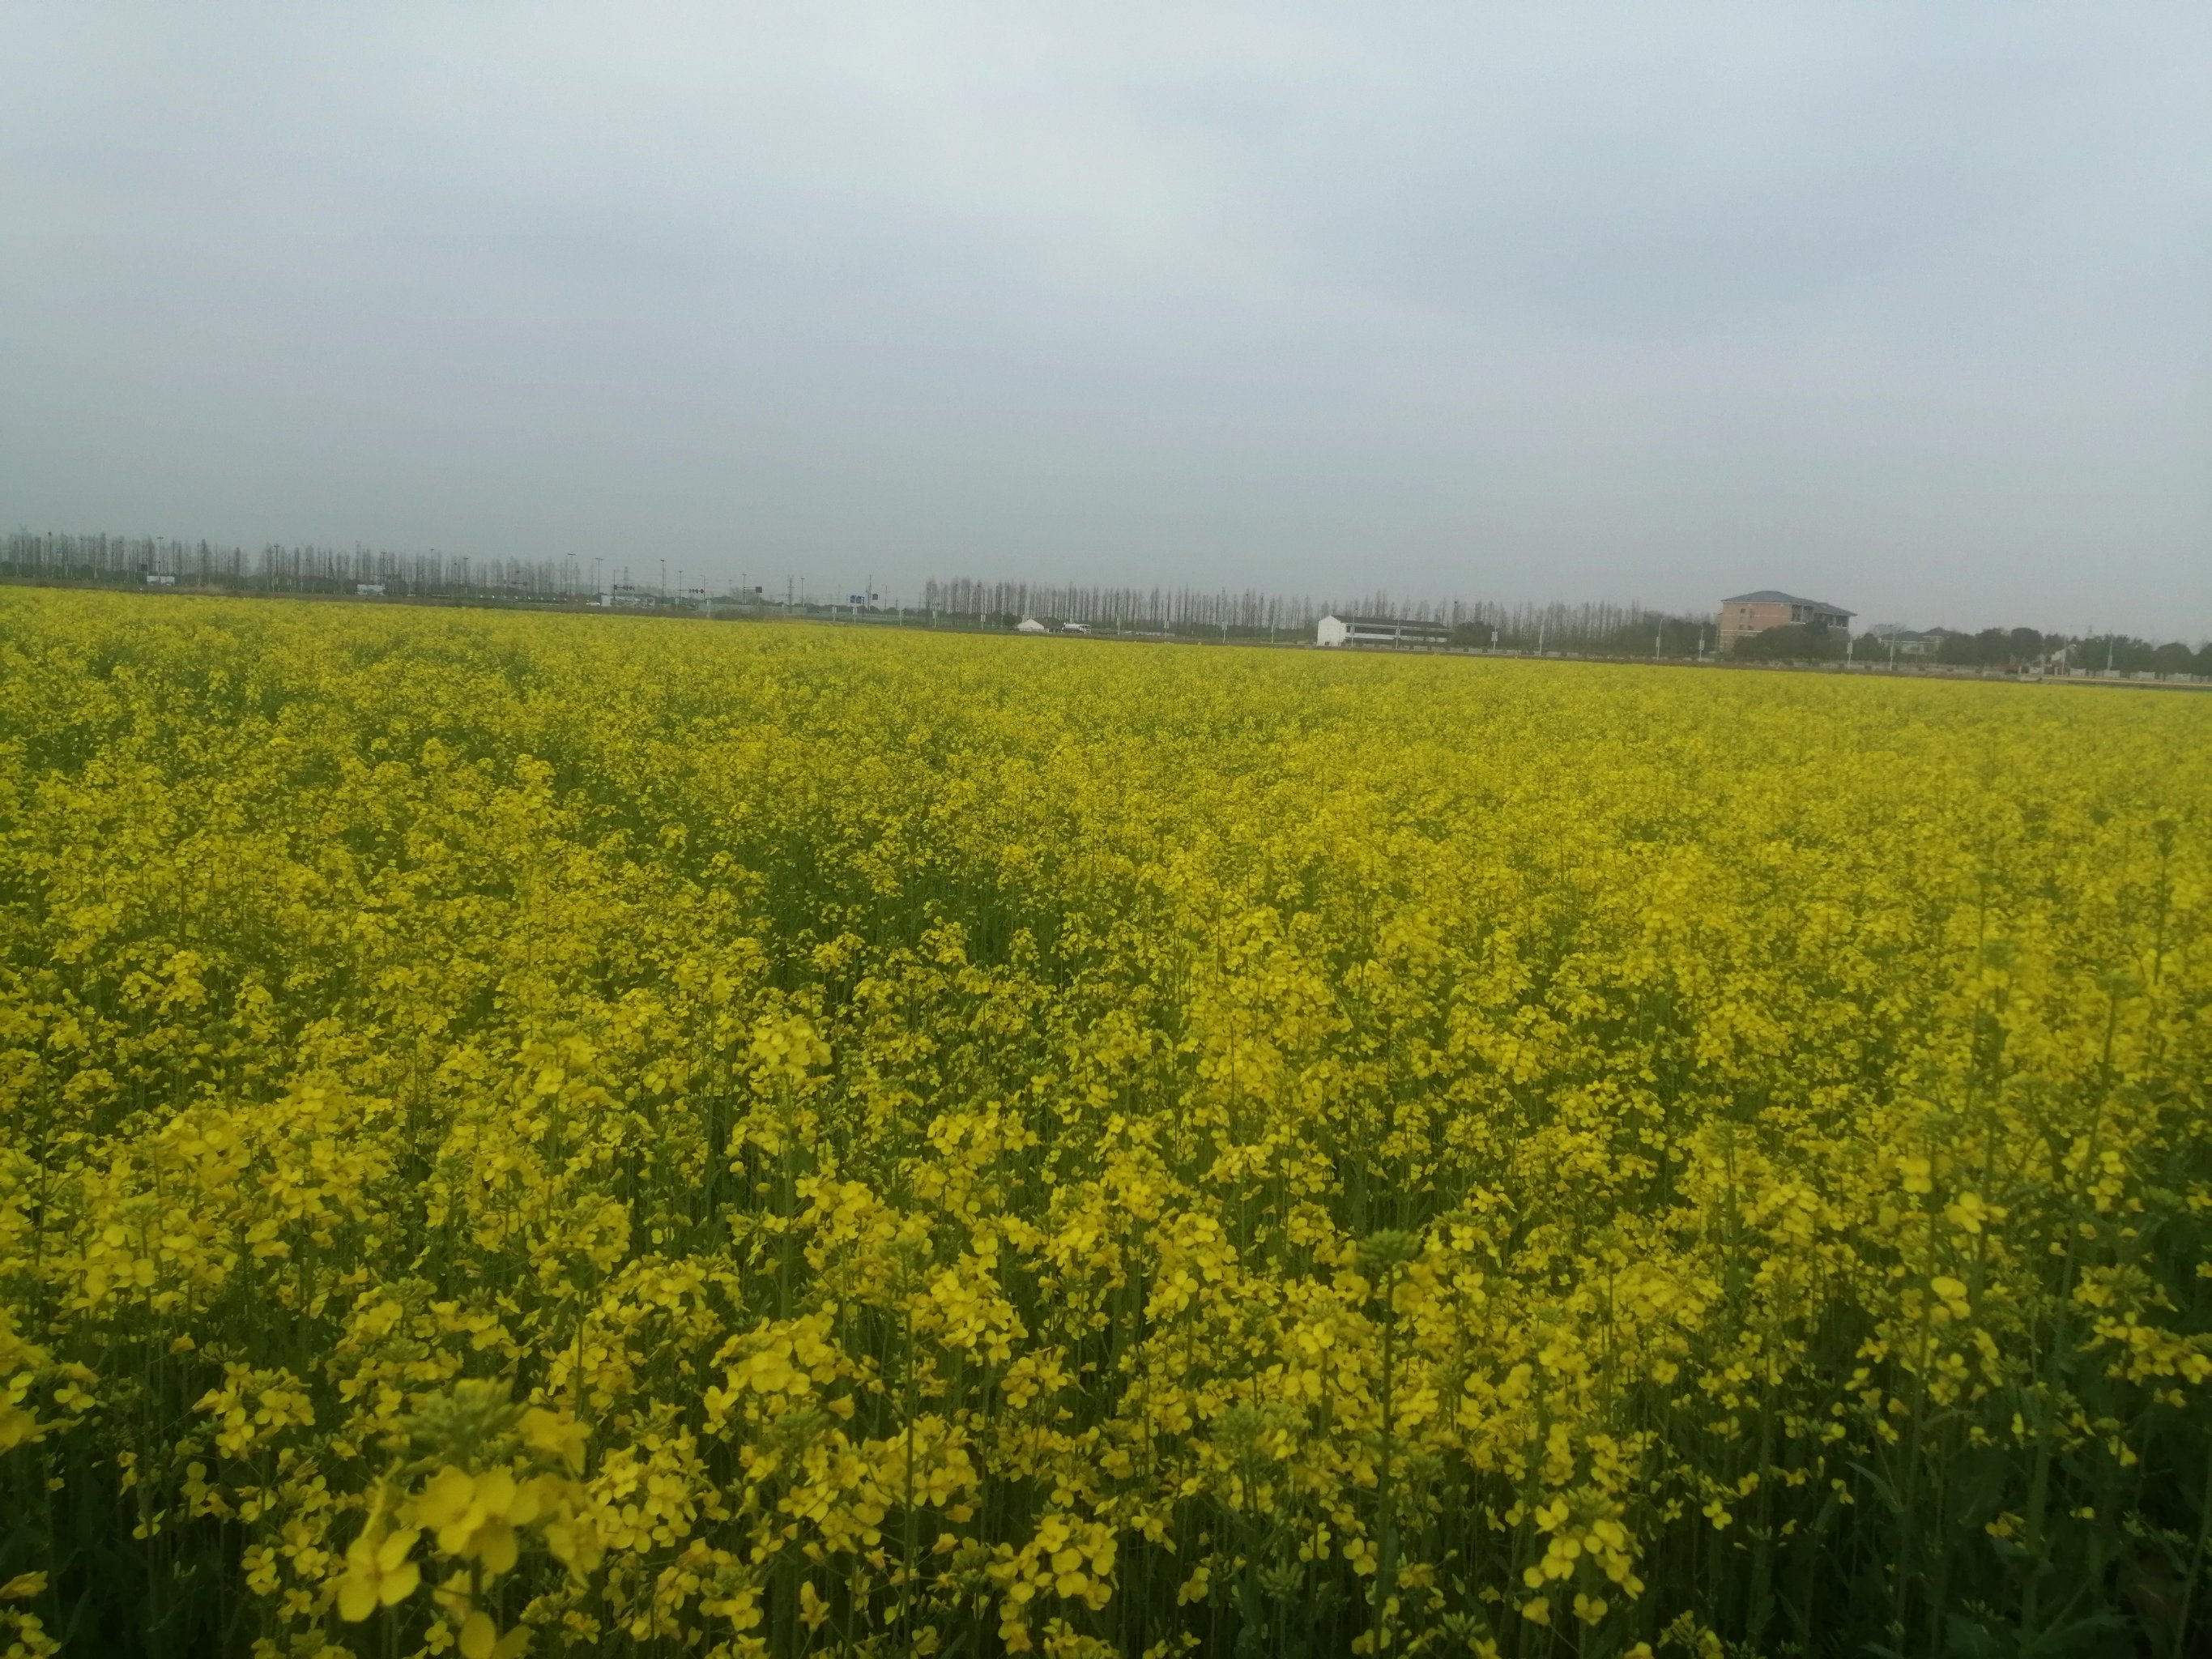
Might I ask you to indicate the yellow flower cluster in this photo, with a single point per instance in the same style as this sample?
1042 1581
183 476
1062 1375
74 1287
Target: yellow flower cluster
592 1135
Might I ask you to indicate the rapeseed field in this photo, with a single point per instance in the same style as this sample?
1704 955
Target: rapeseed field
590 1135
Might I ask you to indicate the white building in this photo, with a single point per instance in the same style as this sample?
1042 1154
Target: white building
1030 625
369 590
1387 631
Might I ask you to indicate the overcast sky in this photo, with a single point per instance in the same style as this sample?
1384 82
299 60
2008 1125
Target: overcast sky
1906 307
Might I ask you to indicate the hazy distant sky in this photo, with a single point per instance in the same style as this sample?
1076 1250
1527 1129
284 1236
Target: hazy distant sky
1908 307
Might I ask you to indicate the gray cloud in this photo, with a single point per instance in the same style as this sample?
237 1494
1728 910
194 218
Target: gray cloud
1909 307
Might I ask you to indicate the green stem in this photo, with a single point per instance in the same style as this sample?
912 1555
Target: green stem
2195 1563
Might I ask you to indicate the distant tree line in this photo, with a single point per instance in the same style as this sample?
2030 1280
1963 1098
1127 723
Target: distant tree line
46 556
1589 630
2006 648
1603 629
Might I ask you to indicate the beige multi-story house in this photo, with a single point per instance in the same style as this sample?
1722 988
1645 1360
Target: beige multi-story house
1755 613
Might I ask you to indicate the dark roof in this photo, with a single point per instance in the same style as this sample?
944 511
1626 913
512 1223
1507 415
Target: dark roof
1392 622
1775 596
